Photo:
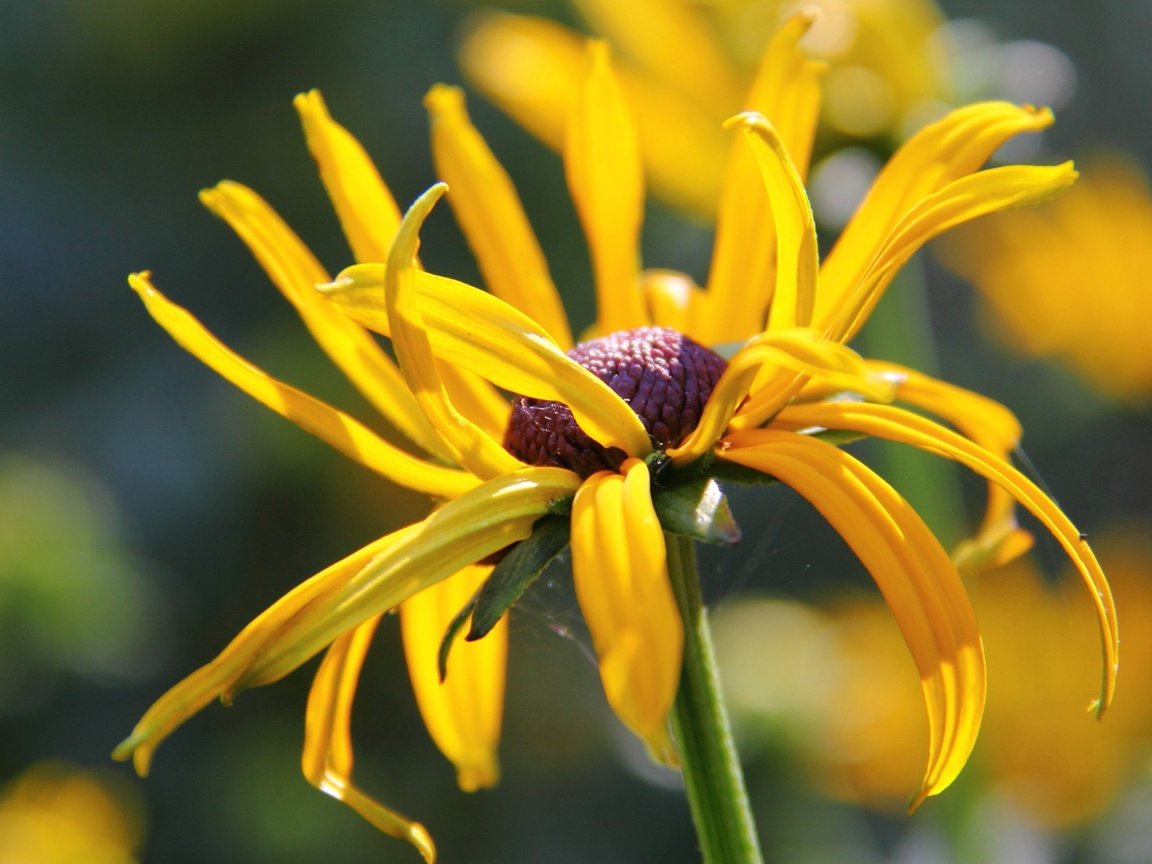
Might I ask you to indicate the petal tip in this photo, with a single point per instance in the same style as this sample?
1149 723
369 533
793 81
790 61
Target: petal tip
806 16
309 100
442 99
919 798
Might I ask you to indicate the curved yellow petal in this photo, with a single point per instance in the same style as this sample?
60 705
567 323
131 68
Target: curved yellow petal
371 580
606 182
325 422
473 330
295 272
364 204
952 147
620 570
915 575
789 356
327 721
794 294
471 446
885 421
993 427
742 276
491 215
327 756
970 197
463 712
476 398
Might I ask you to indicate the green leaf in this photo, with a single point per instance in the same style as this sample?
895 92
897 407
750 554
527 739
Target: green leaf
697 509
518 569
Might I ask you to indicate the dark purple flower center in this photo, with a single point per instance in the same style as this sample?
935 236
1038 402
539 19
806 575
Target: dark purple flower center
665 377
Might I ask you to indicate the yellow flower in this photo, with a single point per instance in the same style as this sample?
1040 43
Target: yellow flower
883 78
1060 771
655 413
57 814
1069 282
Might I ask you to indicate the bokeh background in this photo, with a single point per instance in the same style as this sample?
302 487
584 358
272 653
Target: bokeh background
148 511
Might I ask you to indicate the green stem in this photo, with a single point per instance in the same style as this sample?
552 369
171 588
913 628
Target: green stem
708 756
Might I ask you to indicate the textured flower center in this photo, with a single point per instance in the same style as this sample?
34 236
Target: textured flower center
665 377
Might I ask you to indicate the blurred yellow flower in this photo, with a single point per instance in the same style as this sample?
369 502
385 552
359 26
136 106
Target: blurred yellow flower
600 435
1069 282
57 814
1036 747
687 66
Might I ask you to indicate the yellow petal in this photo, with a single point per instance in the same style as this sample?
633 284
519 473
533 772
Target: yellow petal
673 301
322 420
795 228
915 575
491 215
471 446
215 679
342 597
786 89
651 39
885 421
364 204
475 398
943 151
742 276
788 356
461 532
657 36
327 757
990 191
606 181
620 571
473 330
370 218
462 712
991 426
530 67
295 272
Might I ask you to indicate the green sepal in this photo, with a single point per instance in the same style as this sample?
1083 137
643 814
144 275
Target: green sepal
697 509
450 634
516 571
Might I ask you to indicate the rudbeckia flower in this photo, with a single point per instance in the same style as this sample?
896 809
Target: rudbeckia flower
1035 273
606 440
885 74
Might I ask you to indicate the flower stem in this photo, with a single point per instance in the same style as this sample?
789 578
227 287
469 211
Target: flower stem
711 767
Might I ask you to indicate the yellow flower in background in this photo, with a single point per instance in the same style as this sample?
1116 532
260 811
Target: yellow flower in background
600 439
1070 282
688 66
56 814
1035 748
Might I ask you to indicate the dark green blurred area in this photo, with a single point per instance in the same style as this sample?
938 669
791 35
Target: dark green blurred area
148 511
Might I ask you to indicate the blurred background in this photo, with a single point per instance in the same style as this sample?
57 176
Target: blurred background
148 510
